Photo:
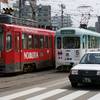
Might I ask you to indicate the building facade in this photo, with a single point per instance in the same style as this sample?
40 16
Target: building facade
24 8
43 16
40 13
97 25
25 11
57 21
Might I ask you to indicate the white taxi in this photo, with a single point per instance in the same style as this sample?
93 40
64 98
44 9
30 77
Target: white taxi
87 71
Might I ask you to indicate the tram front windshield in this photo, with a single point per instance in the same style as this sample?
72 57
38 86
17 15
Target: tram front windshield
71 42
1 39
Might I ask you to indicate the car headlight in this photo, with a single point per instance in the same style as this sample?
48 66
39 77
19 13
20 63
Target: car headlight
74 72
98 72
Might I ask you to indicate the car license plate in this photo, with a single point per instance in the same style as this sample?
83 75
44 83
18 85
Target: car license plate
87 80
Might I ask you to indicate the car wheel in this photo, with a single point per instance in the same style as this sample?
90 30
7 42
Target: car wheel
74 84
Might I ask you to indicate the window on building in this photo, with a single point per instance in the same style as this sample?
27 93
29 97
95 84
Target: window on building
40 20
45 20
45 14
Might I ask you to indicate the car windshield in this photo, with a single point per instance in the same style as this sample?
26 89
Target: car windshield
91 58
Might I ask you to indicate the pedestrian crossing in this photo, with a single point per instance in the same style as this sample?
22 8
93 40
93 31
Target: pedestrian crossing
96 97
22 93
47 93
73 95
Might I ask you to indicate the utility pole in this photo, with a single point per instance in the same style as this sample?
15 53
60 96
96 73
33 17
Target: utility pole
33 6
20 8
62 12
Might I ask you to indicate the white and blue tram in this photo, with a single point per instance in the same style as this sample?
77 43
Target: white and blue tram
72 43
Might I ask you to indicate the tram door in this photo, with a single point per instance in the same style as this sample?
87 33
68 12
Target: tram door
51 49
17 51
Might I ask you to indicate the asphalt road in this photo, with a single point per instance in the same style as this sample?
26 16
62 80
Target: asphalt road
10 82
45 85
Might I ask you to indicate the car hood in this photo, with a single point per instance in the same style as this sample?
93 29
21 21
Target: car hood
87 67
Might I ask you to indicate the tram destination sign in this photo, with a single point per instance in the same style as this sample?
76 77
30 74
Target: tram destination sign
67 31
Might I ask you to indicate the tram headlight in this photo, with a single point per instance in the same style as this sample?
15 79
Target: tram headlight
74 72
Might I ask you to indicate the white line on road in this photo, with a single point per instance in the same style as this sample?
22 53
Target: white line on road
47 94
73 95
22 93
96 97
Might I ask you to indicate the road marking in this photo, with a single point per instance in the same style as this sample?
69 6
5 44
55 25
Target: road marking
47 94
55 84
96 97
22 93
73 95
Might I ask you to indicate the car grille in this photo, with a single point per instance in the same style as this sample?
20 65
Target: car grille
87 73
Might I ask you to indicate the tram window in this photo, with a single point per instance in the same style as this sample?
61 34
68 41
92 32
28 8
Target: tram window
17 42
84 41
71 42
89 45
29 41
50 42
91 41
41 41
24 41
58 42
97 41
8 42
36 41
1 39
46 41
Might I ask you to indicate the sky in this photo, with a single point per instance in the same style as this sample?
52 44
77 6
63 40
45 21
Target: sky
71 7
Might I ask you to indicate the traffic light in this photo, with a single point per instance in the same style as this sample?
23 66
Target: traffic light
8 11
